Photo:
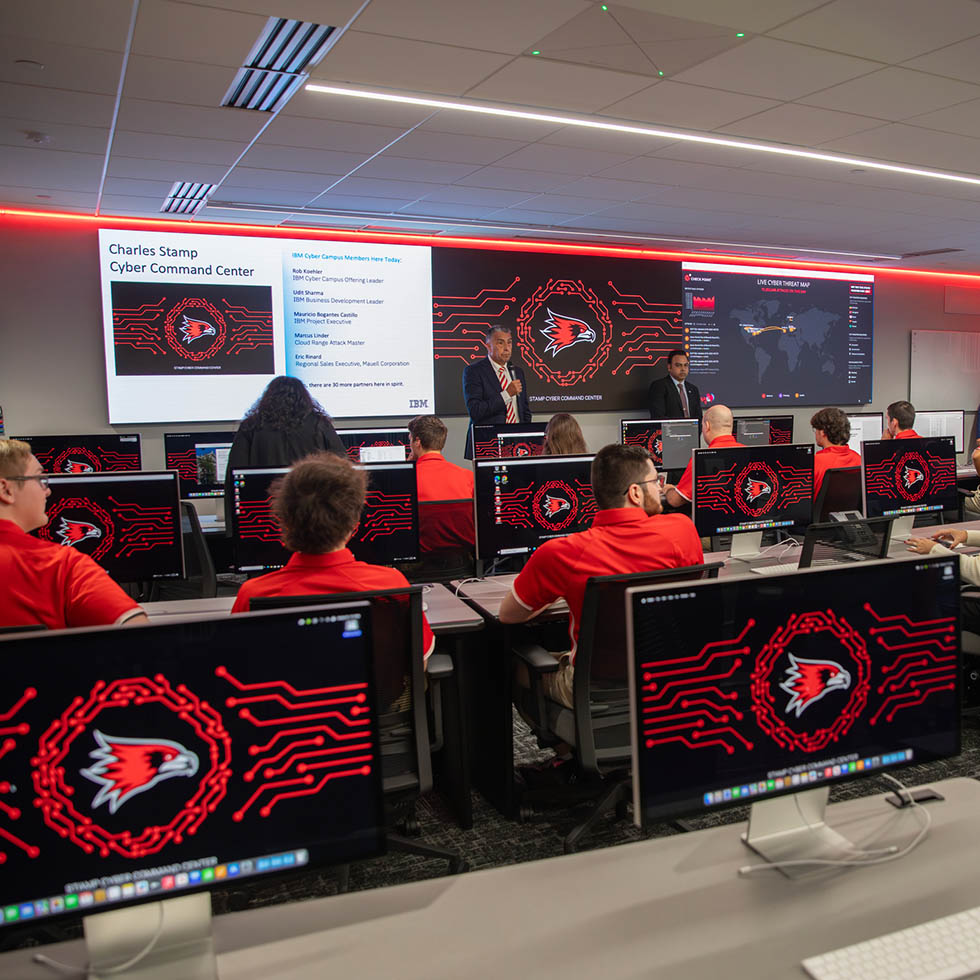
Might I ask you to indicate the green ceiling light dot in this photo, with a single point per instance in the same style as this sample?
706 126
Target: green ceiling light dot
535 52
740 34
661 74
605 7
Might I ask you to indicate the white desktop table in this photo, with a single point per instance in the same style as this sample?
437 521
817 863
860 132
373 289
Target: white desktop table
673 908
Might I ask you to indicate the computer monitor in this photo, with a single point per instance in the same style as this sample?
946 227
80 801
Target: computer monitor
764 430
496 441
376 445
745 690
865 426
744 491
388 531
521 503
941 424
148 764
128 522
905 477
86 454
669 441
200 458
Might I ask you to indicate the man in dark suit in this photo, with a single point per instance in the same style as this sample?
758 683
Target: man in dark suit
674 397
494 388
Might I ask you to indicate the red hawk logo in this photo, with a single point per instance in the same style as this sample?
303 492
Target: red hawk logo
658 447
127 766
911 476
553 506
75 532
76 466
565 331
807 681
754 489
196 329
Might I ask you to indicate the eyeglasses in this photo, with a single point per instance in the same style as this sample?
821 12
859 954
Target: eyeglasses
639 483
40 477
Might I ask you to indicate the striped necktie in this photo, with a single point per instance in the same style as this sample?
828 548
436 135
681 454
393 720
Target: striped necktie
512 404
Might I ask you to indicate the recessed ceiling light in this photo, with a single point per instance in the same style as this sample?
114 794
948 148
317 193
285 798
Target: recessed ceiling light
593 122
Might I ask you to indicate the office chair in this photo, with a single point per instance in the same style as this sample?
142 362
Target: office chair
446 539
31 628
200 580
840 490
403 724
598 727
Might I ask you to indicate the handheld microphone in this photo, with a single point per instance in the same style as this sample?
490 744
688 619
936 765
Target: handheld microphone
510 369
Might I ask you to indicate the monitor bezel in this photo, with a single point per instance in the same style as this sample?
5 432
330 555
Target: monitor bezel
92 435
641 818
902 443
959 442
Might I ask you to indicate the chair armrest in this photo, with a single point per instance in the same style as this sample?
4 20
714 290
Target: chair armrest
965 493
439 666
537 659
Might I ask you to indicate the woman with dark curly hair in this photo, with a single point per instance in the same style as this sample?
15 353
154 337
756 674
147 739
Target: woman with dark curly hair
284 425
563 436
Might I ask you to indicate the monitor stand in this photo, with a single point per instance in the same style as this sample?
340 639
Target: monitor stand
792 828
746 545
902 527
185 948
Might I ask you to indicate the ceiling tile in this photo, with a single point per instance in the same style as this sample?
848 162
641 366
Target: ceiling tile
400 168
157 147
301 159
775 69
316 11
143 116
912 145
454 149
504 25
742 15
963 119
260 195
800 125
102 24
347 202
669 103
884 30
191 32
42 105
568 204
327 134
430 208
562 159
496 127
165 80
960 60
65 67
508 179
483 196
83 139
523 216
59 169
539 82
169 170
408 190
396 63
894 93
345 108
278 179
158 189
626 144
81 200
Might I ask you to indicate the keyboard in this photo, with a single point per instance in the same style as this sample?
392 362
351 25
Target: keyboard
789 566
942 949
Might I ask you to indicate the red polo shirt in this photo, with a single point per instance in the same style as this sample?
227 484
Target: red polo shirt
438 479
621 540
832 458
908 434
685 485
55 585
337 571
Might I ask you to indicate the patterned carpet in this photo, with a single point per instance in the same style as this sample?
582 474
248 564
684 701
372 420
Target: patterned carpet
494 841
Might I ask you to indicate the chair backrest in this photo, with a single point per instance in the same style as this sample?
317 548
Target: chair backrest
846 541
197 557
399 679
29 628
446 525
600 659
840 490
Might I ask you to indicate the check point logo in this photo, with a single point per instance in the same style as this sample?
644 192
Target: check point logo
555 505
189 323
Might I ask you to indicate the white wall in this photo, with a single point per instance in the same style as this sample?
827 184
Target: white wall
52 366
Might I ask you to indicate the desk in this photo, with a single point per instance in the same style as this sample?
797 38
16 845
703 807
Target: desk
663 909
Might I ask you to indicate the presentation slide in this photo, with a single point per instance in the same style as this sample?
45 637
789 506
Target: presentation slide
590 332
197 325
763 336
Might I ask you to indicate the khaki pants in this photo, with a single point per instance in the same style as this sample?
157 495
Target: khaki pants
559 686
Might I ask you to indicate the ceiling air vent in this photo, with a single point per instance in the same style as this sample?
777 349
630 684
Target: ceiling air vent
276 65
186 197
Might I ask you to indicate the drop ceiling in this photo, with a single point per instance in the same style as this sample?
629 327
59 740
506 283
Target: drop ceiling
104 104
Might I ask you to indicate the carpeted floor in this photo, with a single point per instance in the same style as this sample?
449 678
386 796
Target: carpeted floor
494 841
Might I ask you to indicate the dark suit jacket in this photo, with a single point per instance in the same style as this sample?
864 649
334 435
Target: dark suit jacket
484 402
665 403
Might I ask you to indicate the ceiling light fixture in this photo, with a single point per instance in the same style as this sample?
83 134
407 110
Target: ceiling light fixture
586 122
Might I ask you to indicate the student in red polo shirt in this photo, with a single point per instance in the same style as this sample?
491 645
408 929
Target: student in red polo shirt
318 504
628 534
438 479
899 419
44 583
831 430
716 429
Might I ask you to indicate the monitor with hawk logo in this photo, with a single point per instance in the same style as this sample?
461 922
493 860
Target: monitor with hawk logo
388 531
744 690
128 522
905 477
144 767
497 441
107 452
521 502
